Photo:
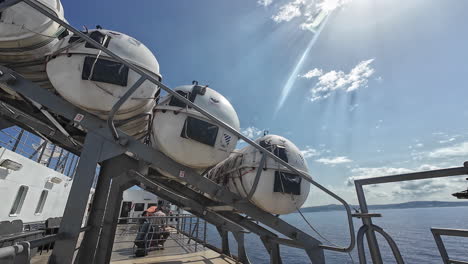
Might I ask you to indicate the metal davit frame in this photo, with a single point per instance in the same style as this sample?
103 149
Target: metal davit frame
126 162
369 229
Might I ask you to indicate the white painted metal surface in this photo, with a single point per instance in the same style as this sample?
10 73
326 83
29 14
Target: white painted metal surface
37 178
172 136
25 34
67 73
239 171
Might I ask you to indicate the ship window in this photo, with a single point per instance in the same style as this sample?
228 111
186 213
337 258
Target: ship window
99 38
41 203
287 183
19 200
176 102
101 70
139 207
200 131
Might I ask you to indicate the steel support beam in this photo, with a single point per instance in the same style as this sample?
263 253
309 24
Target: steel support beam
32 122
77 201
273 250
109 169
106 239
5 123
224 240
241 253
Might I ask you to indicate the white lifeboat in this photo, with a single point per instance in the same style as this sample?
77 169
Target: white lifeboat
277 191
188 137
26 34
93 81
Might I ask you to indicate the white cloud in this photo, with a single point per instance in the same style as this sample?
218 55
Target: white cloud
251 132
309 152
312 12
265 2
362 173
427 189
330 5
334 161
332 81
452 151
288 11
312 73
447 141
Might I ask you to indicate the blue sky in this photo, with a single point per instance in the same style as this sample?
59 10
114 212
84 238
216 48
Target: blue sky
381 89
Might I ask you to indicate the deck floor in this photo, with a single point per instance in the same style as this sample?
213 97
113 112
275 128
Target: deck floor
177 250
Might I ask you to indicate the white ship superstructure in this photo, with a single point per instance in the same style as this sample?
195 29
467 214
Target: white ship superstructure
31 192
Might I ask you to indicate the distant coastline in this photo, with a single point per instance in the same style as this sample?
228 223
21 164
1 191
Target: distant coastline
417 204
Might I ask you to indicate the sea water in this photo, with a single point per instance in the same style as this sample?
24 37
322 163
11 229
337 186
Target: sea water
410 228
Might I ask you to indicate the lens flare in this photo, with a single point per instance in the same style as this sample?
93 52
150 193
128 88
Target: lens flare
294 74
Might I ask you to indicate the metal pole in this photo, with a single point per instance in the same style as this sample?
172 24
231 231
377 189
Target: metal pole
367 221
120 102
196 233
39 159
37 150
59 159
63 164
18 139
75 167
70 225
204 233
51 156
190 230
70 165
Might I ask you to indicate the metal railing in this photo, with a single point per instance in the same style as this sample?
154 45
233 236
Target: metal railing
21 252
184 233
438 232
145 76
369 229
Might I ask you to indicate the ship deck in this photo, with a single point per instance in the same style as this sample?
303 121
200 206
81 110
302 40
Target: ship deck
179 249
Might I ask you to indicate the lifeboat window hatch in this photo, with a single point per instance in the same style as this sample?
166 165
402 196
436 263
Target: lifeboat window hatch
190 96
280 152
199 130
100 38
107 71
176 102
287 183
